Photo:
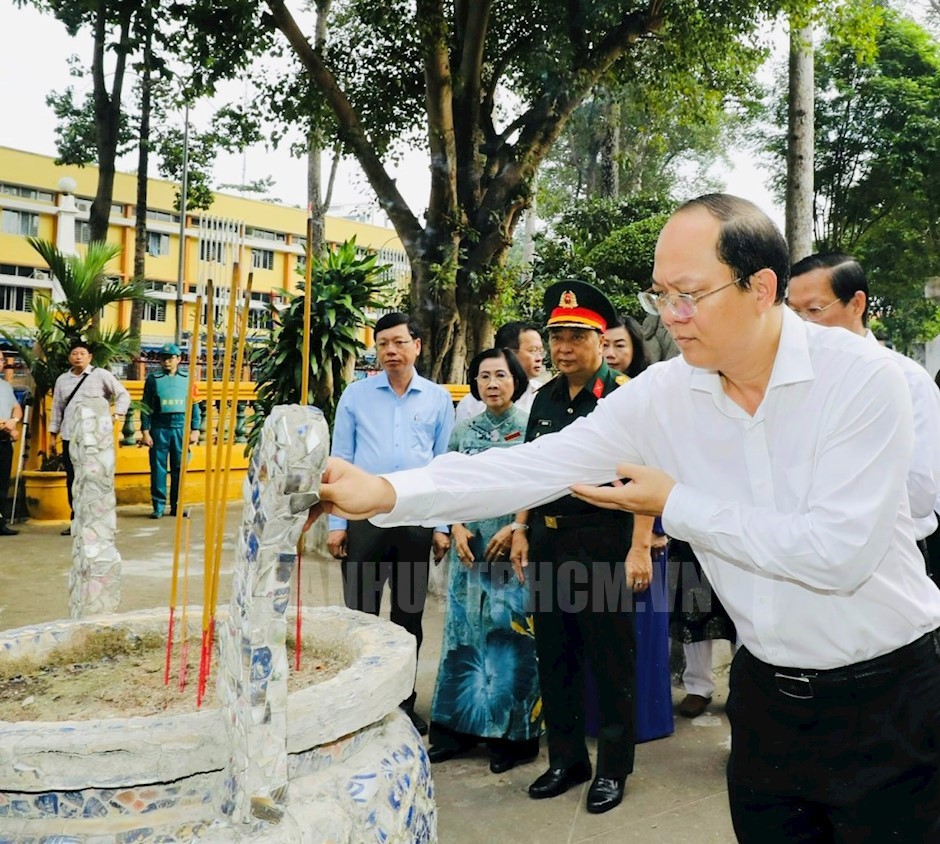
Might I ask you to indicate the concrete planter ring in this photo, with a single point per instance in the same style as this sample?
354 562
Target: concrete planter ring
358 770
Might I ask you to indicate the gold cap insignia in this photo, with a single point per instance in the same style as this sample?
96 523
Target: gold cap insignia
568 300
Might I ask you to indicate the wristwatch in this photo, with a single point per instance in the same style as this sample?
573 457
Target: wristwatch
518 526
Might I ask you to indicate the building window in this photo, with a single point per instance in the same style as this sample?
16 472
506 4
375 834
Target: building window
158 244
20 222
262 259
265 234
82 231
154 311
162 216
210 251
258 319
25 193
15 298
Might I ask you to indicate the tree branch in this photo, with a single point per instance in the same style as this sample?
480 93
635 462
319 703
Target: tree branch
390 199
440 111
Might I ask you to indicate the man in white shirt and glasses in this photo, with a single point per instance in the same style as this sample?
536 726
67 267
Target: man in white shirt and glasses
779 451
832 289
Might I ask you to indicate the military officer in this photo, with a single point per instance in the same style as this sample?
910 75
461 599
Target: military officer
166 395
582 594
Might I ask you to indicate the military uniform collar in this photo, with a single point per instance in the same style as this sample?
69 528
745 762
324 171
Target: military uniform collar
602 375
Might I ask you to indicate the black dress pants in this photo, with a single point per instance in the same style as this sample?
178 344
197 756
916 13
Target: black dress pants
858 761
584 611
6 467
69 474
398 556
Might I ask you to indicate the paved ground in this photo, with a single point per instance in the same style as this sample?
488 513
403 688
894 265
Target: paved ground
676 795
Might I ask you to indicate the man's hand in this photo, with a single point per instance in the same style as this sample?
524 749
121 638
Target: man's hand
348 491
519 554
440 544
461 539
336 542
646 493
145 439
500 544
193 437
639 569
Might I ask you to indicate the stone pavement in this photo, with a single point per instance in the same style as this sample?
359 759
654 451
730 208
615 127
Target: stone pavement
677 793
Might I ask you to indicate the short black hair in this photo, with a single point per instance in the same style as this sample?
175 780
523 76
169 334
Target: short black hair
639 361
520 380
509 335
80 344
397 318
846 277
748 240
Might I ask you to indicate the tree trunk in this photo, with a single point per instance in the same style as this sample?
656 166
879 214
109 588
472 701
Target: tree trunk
610 153
143 164
317 203
800 144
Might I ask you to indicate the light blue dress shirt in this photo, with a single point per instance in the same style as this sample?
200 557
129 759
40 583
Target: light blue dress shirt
380 431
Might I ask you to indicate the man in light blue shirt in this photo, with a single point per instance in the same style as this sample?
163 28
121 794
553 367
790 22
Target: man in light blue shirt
393 420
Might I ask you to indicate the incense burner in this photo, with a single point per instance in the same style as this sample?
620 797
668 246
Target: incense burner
356 767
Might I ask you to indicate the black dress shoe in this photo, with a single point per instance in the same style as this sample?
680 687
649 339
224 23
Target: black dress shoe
604 794
7 531
557 781
499 763
66 531
442 752
420 724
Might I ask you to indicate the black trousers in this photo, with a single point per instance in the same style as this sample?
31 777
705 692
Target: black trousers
69 474
859 761
6 467
583 611
398 556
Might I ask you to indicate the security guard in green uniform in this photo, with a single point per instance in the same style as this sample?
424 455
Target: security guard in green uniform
166 395
582 587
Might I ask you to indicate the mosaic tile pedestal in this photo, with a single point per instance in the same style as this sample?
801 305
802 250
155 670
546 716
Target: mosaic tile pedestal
357 769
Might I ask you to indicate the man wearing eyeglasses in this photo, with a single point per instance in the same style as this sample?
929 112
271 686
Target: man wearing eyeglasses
392 421
577 549
831 289
779 450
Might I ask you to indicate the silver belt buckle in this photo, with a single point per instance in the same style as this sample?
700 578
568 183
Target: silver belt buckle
798 687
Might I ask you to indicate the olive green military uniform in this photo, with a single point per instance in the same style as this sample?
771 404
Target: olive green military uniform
583 608
167 396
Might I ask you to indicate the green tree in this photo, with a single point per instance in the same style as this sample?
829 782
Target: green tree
344 286
877 174
87 292
394 72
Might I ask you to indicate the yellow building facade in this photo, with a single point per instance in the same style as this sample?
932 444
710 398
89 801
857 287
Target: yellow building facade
43 199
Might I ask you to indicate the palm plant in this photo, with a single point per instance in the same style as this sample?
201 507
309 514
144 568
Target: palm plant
87 291
344 286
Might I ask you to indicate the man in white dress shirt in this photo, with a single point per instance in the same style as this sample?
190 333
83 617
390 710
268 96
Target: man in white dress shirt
779 451
832 289
525 342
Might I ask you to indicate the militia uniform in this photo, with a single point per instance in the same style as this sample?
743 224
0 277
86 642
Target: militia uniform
576 550
166 396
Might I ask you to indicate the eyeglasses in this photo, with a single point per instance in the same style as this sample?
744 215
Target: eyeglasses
682 305
498 375
815 312
400 344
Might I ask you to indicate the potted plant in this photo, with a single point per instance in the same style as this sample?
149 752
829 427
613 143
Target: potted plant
44 347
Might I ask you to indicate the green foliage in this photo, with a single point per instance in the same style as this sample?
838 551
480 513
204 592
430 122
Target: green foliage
88 292
344 286
605 242
877 179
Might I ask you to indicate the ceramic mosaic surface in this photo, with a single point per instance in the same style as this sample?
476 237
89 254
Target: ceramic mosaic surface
95 578
289 458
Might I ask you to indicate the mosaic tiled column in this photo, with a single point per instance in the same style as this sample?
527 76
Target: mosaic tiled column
289 459
95 578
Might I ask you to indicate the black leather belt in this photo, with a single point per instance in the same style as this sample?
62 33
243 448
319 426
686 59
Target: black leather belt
806 684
